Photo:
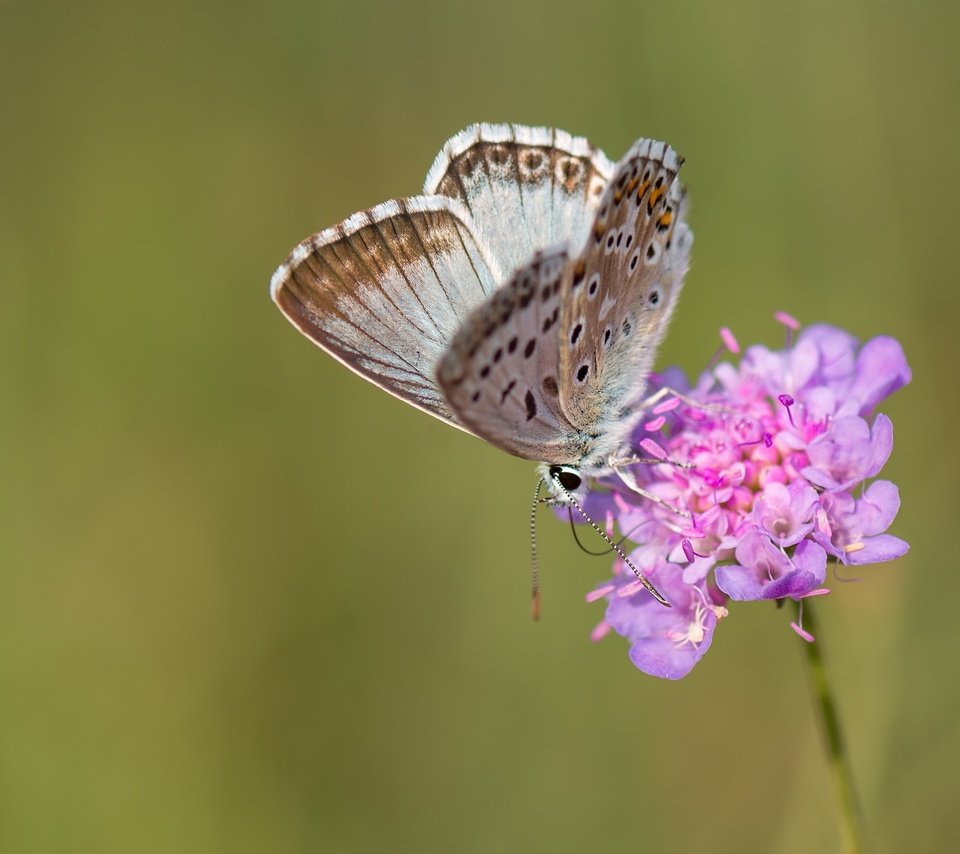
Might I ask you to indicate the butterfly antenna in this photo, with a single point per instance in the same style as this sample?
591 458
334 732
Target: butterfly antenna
640 576
534 565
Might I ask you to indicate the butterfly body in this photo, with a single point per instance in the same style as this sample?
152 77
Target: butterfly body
520 298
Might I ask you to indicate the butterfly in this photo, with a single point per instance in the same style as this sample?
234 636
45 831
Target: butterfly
521 297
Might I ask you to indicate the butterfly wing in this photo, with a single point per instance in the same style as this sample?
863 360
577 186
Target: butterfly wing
385 291
619 294
526 188
500 372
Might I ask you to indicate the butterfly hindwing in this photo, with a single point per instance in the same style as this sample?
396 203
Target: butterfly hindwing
526 188
549 365
385 291
500 373
620 293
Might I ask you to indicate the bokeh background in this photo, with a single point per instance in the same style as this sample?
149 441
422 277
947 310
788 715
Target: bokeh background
250 603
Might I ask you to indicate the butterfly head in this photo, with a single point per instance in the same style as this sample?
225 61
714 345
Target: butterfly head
565 483
568 476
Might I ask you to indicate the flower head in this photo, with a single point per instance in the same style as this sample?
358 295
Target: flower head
760 476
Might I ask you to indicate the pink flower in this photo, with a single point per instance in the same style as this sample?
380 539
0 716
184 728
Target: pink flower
665 642
785 512
755 489
764 571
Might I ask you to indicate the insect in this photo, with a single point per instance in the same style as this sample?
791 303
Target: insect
520 298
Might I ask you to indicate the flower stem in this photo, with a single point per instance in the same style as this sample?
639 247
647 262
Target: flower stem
837 756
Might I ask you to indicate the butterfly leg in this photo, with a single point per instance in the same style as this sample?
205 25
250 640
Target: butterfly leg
621 467
634 460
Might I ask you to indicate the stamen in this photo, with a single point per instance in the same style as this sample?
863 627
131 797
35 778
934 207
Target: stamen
790 322
655 424
629 590
688 550
854 547
668 405
719 610
787 402
766 438
600 631
600 592
787 320
729 341
729 344
653 449
798 626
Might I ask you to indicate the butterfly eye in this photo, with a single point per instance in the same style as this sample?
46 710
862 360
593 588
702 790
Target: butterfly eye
569 477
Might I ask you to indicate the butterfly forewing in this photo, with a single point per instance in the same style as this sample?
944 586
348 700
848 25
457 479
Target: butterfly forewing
619 294
386 290
526 188
500 373
549 366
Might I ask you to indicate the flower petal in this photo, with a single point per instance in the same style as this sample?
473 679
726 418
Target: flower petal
878 508
836 349
738 582
810 562
878 549
667 659
850 451
785 513
881 369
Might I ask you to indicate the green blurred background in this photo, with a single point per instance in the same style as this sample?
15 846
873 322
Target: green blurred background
250 603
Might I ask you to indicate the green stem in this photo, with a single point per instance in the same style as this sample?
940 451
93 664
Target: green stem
837 756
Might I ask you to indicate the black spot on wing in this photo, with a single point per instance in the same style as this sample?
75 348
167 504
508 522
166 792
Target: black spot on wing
531 405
